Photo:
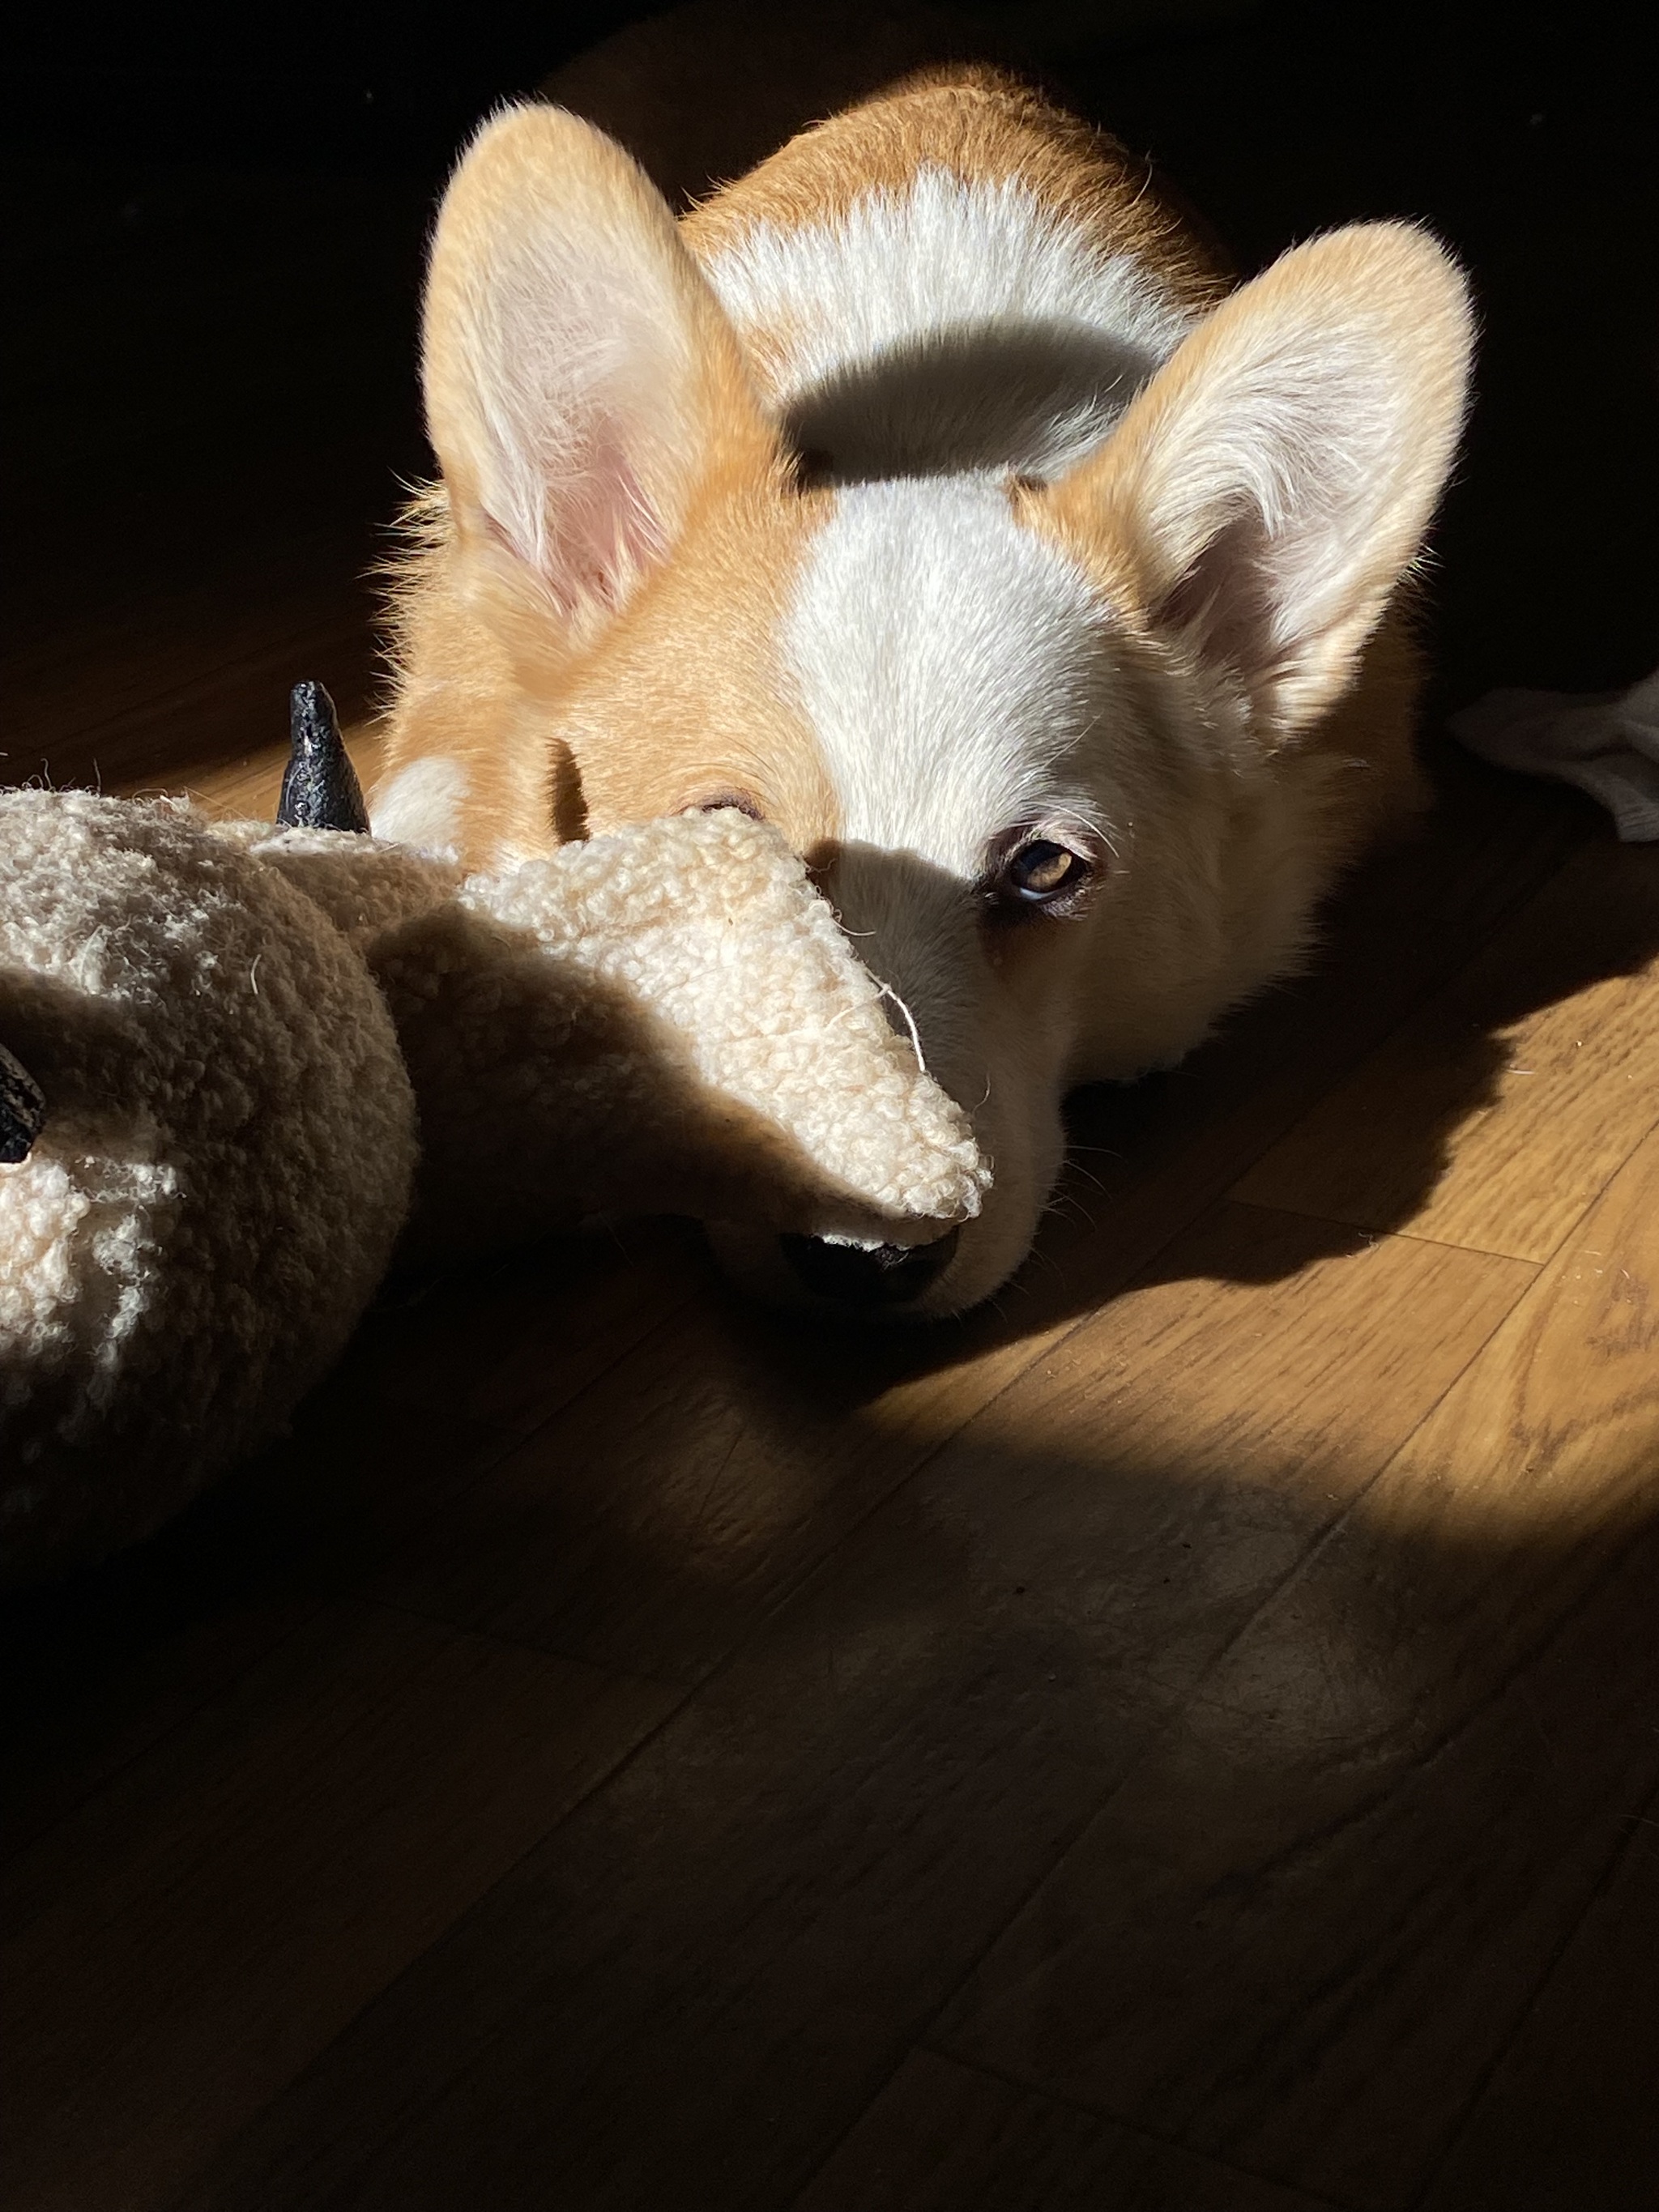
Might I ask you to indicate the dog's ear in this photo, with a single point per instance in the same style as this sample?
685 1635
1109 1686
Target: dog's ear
1263 494
582 383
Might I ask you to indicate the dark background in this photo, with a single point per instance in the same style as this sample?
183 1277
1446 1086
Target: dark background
212 254
345 89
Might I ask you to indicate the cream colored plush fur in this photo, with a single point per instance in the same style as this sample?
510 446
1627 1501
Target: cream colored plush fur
226 1160
237 1032
665 1019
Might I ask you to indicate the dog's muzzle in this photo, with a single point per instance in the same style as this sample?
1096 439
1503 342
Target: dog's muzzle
876 1275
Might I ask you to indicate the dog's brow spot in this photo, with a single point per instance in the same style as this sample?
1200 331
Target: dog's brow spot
421 805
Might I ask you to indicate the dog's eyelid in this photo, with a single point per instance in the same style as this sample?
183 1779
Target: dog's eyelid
1065 834
742 802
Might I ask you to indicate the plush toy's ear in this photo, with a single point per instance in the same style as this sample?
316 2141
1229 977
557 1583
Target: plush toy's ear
22 1110
582 383
1263 494
320 789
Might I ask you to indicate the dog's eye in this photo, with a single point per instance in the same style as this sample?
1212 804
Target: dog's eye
1039 873
1037 870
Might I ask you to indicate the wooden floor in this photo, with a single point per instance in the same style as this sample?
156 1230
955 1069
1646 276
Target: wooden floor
1186 1740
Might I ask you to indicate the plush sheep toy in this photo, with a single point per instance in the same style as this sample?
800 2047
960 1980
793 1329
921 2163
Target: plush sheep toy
241 1067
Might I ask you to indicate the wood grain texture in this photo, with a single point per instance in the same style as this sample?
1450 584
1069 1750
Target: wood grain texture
97 1670
1571 2112
731 1413
1536 1071
943 2137
1360 1846
439 1383
660 1513
183 1945
1184 1739
722 1458
748 1922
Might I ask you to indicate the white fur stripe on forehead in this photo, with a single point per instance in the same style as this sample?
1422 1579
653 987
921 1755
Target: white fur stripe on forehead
948 660
946 252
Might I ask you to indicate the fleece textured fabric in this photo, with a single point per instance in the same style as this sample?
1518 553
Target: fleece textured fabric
1608 747
224 1163
668 1018
236 1033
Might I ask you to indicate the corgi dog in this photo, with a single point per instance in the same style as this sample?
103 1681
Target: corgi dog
932 493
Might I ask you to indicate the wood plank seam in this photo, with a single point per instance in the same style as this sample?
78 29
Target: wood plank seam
1043 1346
1488 2074
505 1642
1569 988
1280 1585
1448 1244
221 1685
1128 2127
1041 1349
602 1780
1325 1537
788 1592
1408 1236
889 2075
1060 2102
1582 1603
225 1685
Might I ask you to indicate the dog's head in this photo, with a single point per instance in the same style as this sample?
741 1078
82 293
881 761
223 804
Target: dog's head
1046 739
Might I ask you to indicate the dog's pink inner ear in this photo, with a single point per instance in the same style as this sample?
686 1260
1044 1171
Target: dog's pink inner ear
581 380
588 545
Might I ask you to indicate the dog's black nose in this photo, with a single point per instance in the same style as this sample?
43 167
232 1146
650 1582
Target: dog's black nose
856 1275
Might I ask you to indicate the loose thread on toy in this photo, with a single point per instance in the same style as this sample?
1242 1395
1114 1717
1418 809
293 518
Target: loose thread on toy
888 992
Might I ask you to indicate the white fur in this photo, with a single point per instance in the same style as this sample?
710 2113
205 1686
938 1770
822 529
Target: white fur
227 1156
665 1017
960 674
955 671
946 254
949 663
420 806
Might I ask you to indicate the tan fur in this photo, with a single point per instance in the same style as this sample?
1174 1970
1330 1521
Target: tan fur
702 92
686 702
480 666
600 624
480 648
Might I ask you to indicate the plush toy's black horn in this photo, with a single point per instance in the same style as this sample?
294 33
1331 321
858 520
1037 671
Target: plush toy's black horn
320 784
22 1110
